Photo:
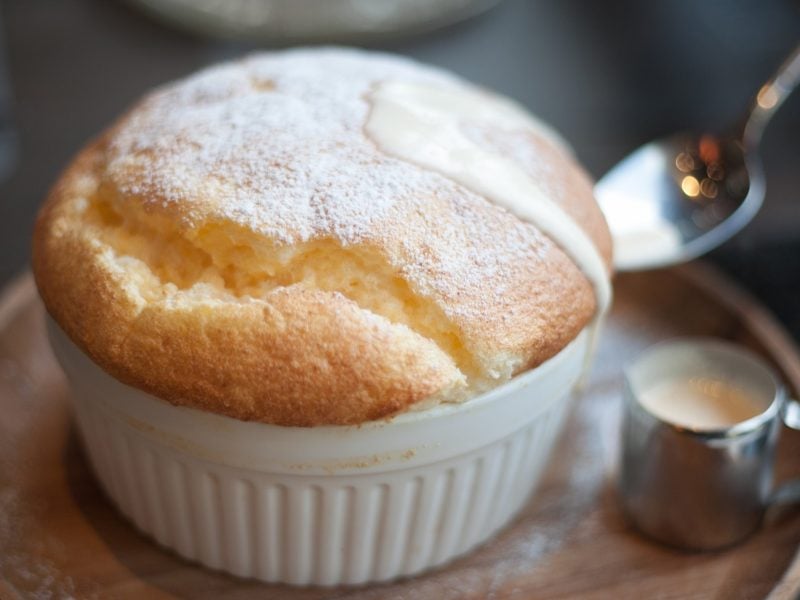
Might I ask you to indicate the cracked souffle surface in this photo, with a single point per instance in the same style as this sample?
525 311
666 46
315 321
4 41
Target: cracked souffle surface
237 244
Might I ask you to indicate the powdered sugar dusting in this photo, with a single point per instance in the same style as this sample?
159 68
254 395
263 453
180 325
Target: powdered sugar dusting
275 143
272 142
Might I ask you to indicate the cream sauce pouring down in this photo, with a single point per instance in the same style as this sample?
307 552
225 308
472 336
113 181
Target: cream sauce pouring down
421 124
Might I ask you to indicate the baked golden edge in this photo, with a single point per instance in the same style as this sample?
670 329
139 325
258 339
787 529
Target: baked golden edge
280 361
302 358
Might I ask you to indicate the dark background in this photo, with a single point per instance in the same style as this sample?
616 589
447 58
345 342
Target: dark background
609 75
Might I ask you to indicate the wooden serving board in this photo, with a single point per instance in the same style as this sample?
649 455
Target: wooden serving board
60 537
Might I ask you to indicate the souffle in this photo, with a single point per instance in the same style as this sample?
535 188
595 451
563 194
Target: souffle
322 237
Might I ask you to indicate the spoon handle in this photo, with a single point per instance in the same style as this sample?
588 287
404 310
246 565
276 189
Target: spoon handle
769 99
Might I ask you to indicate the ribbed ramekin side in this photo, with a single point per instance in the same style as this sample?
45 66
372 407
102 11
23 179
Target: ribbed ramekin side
321 530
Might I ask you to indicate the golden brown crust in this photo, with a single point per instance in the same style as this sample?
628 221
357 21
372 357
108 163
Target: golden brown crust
440 296
279 361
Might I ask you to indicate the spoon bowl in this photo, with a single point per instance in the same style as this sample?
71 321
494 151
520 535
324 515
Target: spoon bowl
679 197
676 198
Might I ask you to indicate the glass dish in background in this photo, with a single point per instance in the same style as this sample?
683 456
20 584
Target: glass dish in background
311 20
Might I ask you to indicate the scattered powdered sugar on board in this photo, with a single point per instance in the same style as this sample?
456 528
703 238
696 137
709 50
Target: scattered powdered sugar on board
24 560
275 143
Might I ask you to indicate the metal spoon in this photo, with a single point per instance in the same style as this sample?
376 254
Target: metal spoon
679 197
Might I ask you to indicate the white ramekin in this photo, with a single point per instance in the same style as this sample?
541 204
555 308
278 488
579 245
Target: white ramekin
323 505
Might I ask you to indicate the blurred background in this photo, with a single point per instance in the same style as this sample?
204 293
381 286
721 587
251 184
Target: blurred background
609 75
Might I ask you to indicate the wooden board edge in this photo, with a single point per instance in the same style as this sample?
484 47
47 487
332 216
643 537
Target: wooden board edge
730 294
